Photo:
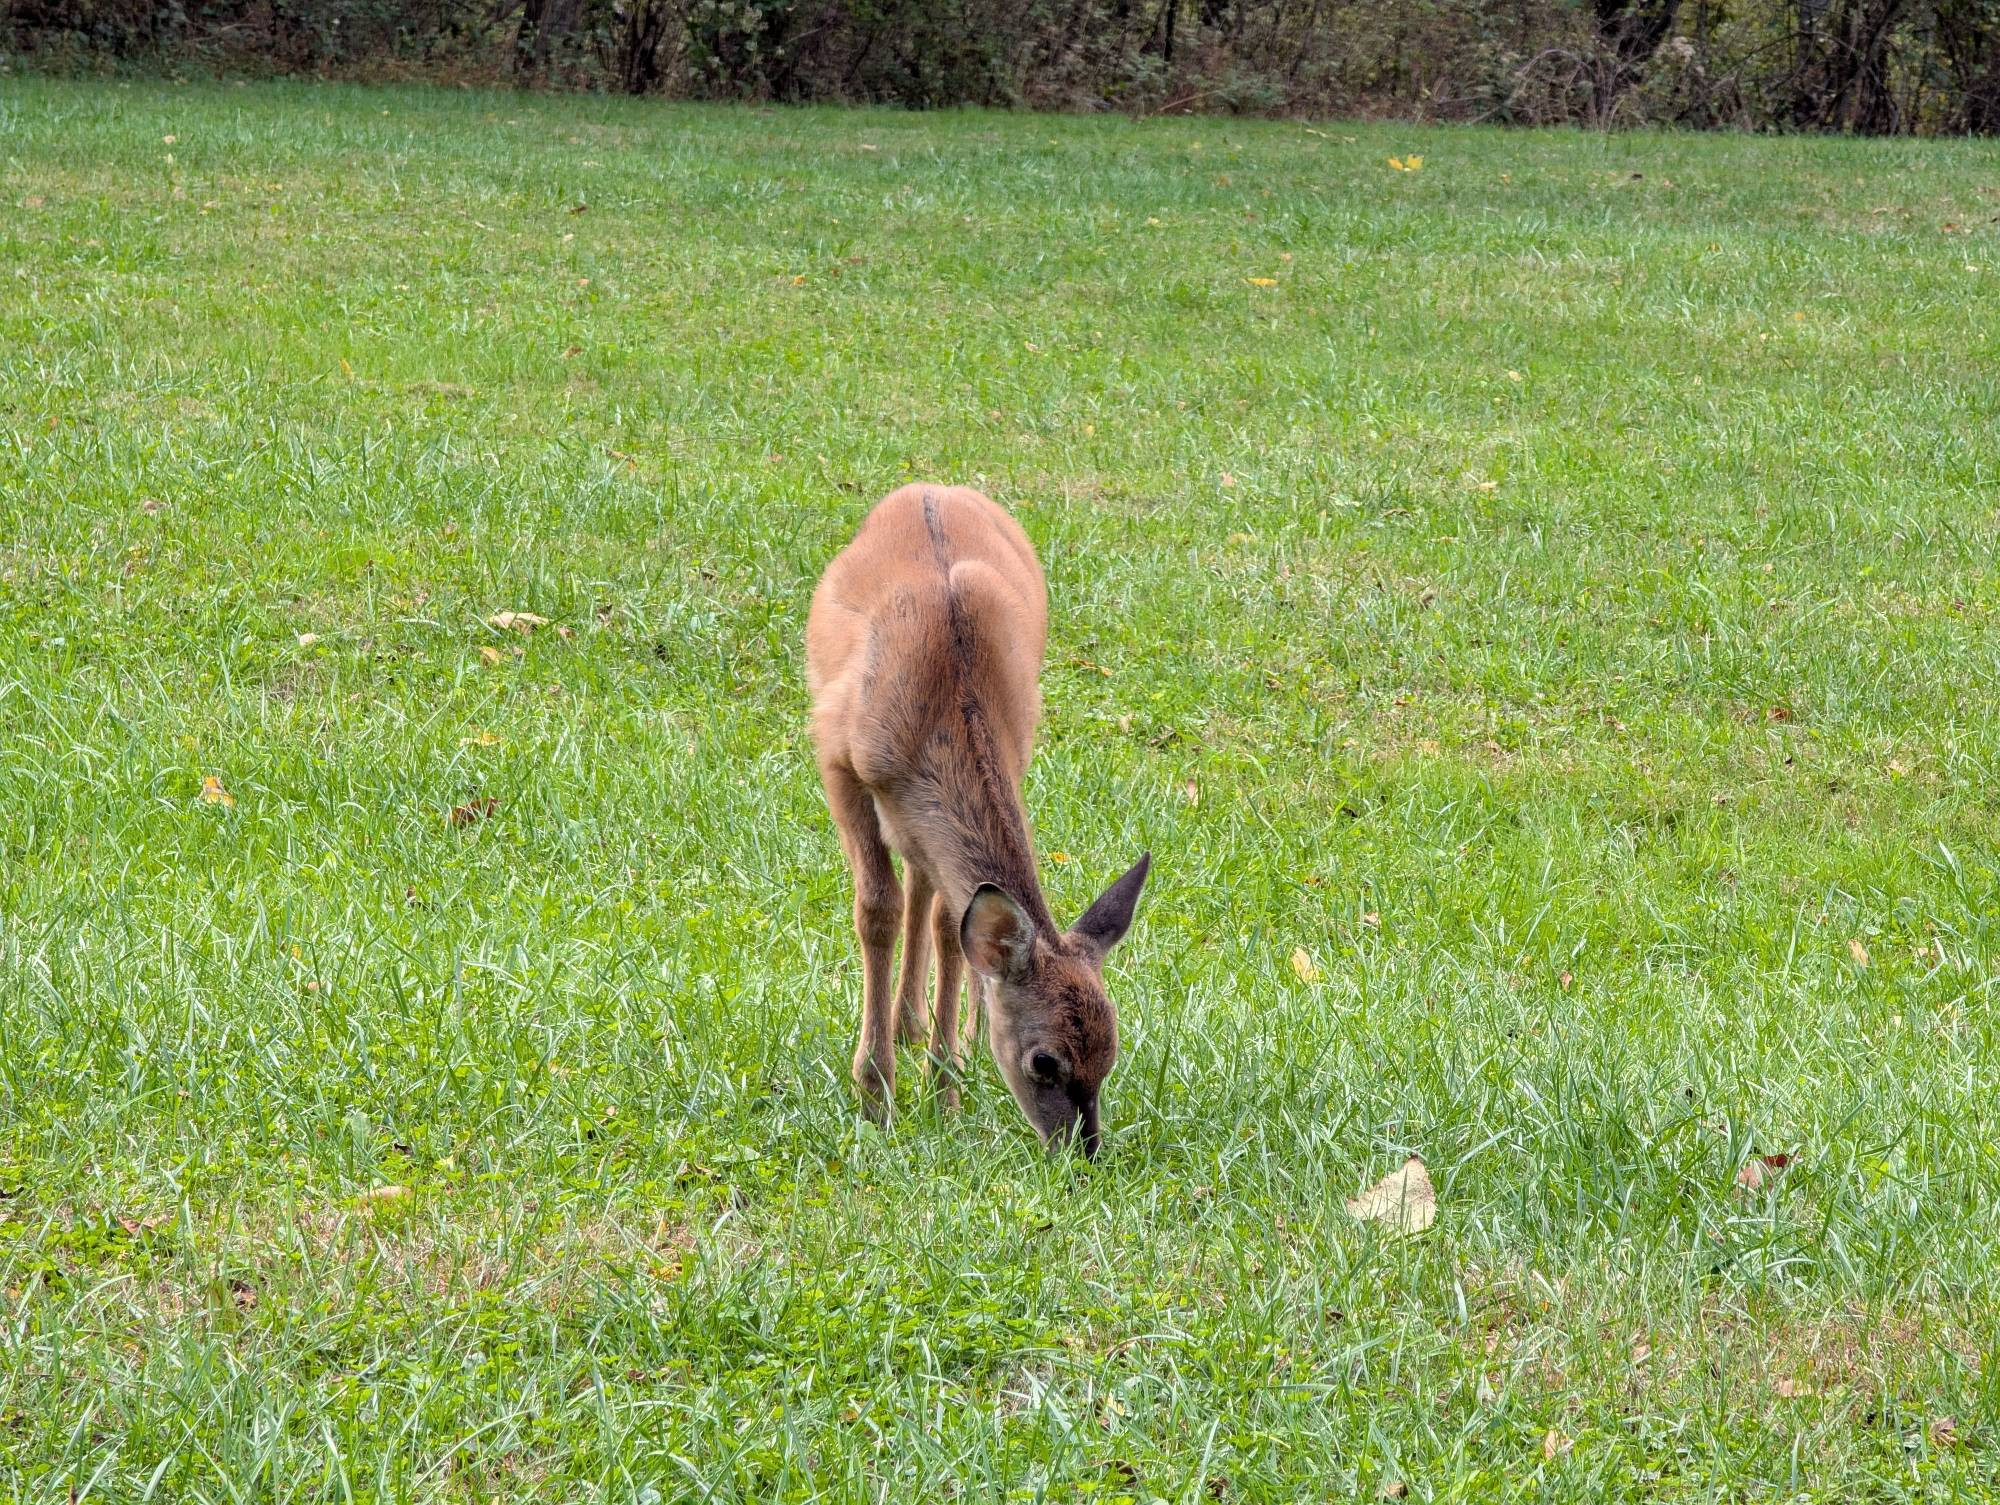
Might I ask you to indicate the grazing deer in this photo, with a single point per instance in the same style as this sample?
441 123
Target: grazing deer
924 654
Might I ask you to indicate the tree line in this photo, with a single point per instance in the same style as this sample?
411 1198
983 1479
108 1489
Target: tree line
1880 67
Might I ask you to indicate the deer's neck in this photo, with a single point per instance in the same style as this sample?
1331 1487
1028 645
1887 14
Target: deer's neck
983 835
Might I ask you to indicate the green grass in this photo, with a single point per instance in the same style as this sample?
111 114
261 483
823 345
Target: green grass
1571 594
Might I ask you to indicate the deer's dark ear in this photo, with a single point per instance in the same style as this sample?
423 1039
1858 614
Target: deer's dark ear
1104 924
996 935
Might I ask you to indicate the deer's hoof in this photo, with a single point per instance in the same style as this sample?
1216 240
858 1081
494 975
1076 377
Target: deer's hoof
877 1089
944 1082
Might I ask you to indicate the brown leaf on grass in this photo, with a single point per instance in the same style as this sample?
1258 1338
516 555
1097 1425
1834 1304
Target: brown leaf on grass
1787 1388
516 621
1943 1432
1556 1445
1564 981
1858 951
133 1227
1306 969
212 792
473 811
1371 919
490 656
1404 1201
1395 1489
152 504
383 1196
1761 1170
243 1294
1193 792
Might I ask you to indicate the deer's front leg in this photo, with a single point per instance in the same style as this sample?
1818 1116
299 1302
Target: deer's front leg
912 1028
946 1058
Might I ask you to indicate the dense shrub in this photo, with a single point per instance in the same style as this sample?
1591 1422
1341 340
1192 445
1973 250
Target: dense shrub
1877 66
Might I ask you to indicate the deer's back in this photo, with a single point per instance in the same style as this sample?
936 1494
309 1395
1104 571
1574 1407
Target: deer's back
938 598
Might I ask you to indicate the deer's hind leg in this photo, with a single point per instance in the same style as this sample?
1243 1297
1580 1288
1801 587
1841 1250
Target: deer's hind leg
878 906
912 1027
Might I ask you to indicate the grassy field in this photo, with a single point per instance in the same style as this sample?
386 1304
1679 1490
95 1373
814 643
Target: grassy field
1539 608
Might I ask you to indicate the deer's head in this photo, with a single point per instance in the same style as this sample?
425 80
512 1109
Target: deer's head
1050 1023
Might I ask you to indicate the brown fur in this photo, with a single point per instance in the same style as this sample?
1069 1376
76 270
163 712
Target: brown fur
923 654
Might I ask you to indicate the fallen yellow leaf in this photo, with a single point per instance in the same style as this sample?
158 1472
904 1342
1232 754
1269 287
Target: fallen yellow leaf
1858 951
1193 792
212 792
516 621
489 656
307 639
1303 964
1405 1200
384 1196
480 739
1262 281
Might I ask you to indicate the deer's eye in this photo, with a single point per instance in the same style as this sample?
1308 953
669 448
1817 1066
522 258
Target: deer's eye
1045 1068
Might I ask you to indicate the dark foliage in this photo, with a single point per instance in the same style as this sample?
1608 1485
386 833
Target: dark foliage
1872 66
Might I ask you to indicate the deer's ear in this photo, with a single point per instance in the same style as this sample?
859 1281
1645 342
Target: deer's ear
1104 924
996 935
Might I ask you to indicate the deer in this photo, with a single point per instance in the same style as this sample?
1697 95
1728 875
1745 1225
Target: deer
924 648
